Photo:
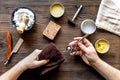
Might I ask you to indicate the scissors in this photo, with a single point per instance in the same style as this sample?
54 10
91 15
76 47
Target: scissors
74 49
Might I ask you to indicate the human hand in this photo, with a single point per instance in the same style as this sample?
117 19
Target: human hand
86 51
31 61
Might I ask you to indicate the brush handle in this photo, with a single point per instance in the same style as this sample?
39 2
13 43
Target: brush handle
77 13
23 24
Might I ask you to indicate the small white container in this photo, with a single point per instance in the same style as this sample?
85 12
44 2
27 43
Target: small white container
88 26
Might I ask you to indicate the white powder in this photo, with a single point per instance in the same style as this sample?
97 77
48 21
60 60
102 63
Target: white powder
24 12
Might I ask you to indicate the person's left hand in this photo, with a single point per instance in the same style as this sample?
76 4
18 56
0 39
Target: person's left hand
31 61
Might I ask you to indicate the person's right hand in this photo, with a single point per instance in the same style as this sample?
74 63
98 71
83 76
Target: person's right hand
32 61
87 51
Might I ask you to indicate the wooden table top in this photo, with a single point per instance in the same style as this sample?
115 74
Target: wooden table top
73 68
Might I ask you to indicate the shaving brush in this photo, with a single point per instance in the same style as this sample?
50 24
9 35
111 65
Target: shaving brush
23 24
23 19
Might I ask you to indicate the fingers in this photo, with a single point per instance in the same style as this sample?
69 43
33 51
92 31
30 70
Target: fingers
85 41
36 52
72 44
85 59
79 53
77 38
73 53
41 62
83 48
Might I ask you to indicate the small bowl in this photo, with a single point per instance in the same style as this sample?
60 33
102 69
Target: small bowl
88 26
24 8
102 46
57 10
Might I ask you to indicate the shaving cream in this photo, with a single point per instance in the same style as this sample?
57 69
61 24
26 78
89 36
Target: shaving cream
21 12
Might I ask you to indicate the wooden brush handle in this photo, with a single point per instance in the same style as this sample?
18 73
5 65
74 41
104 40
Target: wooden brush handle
22 26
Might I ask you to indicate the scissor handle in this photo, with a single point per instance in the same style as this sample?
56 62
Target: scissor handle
71 50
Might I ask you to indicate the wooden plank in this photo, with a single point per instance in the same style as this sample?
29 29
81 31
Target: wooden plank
73 68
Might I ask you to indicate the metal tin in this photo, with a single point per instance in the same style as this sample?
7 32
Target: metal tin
54 10
88 26
102 46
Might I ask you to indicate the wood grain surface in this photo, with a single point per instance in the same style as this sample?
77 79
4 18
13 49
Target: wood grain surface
73 68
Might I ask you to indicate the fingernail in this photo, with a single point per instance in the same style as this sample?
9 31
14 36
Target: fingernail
71 54
37 50
47 60
74 38
80 44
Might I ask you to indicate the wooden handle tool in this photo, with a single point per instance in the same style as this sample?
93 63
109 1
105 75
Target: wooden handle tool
75 15
9 40
23 24
15 49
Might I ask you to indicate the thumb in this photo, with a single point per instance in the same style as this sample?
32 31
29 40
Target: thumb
41 62
83 48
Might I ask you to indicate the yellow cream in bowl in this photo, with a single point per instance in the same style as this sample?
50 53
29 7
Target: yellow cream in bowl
102 46
57 10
